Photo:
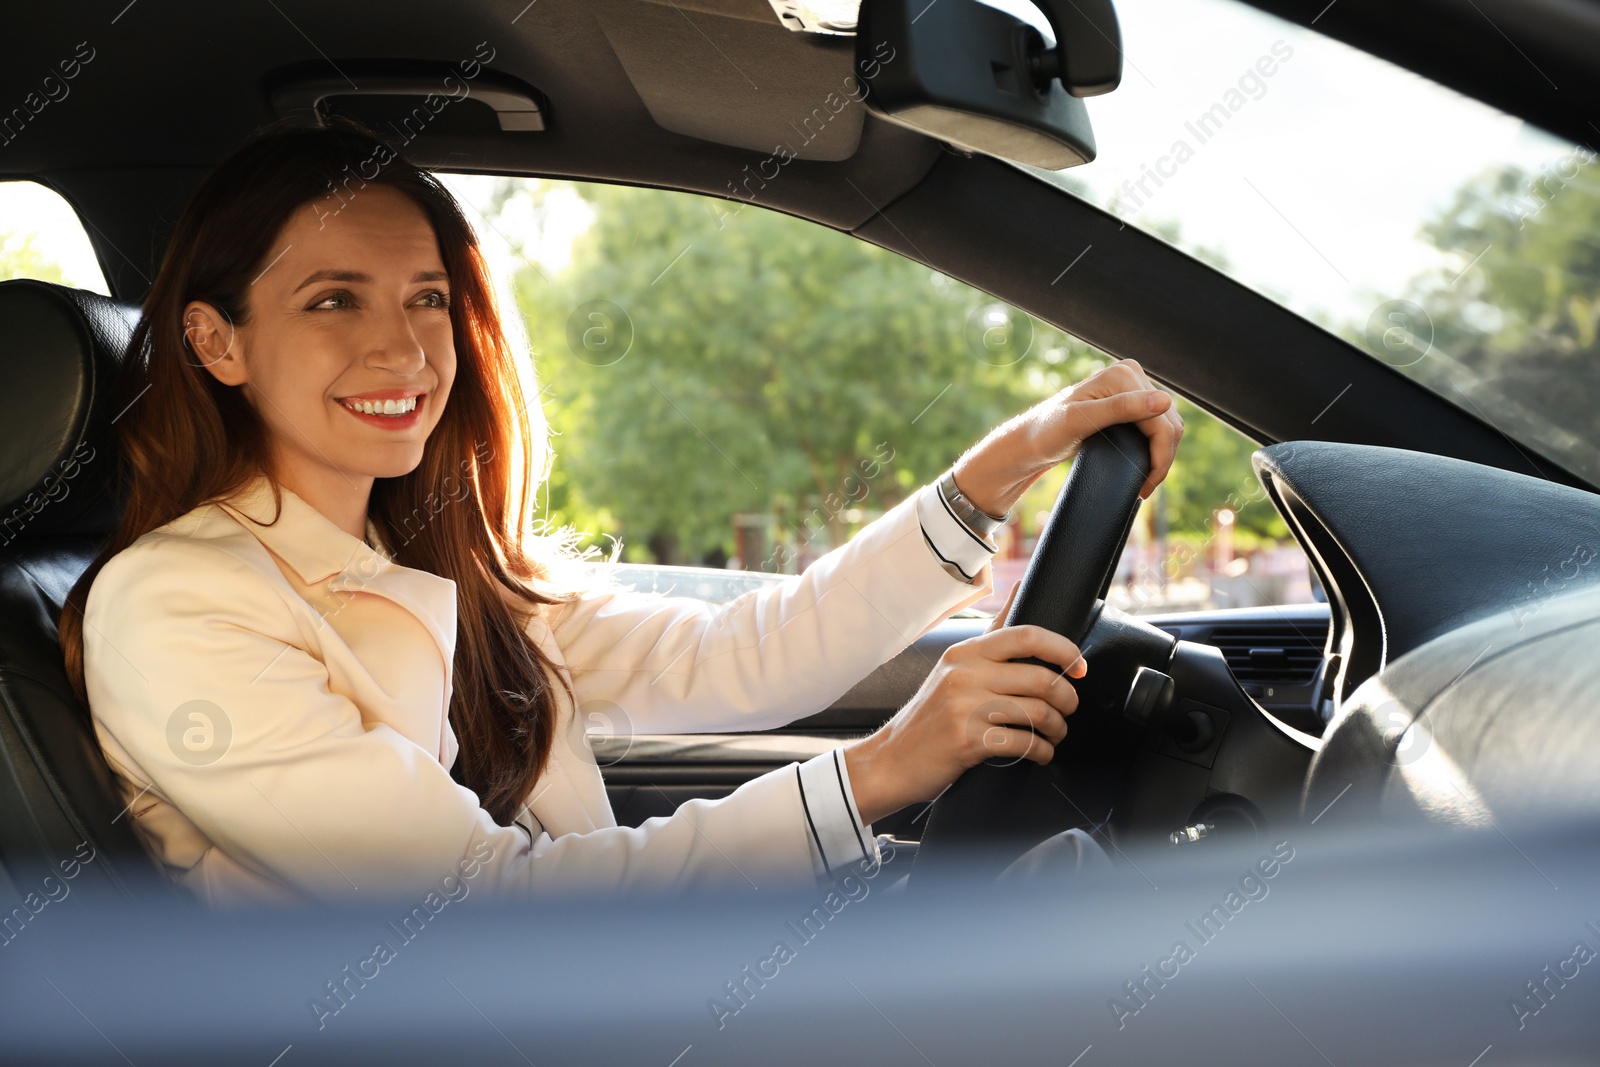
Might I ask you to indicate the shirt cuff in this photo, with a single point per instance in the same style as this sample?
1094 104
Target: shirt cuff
838 838
959 548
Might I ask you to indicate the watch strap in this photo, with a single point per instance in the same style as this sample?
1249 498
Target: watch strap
980 521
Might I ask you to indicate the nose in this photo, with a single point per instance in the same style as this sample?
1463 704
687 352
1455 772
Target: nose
396 347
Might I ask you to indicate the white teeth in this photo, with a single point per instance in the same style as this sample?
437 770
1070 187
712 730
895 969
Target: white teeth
383 407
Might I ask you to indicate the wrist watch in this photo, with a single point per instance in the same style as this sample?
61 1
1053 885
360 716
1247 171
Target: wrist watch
981 522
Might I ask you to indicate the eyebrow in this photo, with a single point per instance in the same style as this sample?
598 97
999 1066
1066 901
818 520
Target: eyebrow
356 277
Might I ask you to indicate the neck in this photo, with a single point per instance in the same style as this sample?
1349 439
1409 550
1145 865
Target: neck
341 497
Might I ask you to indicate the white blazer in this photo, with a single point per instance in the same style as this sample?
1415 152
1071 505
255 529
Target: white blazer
273 701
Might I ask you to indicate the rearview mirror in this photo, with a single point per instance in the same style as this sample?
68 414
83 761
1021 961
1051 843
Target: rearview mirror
985 80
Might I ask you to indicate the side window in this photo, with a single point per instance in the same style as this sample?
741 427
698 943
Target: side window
739 390
41 237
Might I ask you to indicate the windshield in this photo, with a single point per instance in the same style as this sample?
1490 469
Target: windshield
697 425
1451 241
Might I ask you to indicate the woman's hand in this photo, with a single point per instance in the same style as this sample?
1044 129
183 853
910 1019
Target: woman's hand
997 470
974 705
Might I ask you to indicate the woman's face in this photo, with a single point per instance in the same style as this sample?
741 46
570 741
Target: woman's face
352 303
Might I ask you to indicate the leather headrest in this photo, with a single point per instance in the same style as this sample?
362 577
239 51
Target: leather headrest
60 350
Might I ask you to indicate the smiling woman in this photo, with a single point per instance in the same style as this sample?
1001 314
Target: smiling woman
321 647
274 344
376 346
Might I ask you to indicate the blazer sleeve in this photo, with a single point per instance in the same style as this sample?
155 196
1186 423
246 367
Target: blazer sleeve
307 795
680 665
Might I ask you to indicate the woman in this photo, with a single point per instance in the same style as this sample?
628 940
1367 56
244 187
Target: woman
322 597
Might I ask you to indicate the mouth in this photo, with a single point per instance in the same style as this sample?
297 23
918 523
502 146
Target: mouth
398 410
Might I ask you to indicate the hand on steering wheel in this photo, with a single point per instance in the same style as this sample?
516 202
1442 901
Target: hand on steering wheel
976 704
999 469
1003 697
1000 807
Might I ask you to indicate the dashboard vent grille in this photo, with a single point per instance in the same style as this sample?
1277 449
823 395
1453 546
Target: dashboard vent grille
1281 653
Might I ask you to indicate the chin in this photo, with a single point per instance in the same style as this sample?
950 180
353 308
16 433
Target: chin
396 466
396 470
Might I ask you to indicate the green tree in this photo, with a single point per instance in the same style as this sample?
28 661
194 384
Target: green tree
707 359
702 358
1512 334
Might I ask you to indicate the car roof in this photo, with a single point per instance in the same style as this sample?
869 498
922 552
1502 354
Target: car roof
166 93
662 92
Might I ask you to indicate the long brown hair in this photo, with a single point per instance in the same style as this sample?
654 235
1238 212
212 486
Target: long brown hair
194 440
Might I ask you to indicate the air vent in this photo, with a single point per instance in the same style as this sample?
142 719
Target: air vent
1275 653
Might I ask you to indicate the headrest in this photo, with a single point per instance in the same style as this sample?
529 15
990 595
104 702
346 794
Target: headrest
60 350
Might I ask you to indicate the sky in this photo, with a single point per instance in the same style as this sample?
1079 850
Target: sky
1319 178
1314 187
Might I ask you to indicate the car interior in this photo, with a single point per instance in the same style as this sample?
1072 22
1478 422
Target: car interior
1426 524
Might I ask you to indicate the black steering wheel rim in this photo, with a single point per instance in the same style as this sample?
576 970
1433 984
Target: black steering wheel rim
1004 806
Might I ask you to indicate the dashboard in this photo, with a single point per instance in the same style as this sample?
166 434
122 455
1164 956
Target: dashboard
1465 602
1276 652
1456 593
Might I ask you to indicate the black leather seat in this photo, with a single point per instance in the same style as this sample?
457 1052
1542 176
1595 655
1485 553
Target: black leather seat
59 499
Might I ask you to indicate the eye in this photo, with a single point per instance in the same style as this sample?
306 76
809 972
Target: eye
333 302
435 298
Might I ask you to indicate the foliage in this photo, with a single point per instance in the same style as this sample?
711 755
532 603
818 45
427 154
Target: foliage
747 362
705 359
1509 329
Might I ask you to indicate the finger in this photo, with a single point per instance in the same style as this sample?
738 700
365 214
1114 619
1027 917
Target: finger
1000 618
1029 712
1163 435
1136 405
1176 420
1015 744
1177 432
1131 371
1147 408
1027 639
1031 680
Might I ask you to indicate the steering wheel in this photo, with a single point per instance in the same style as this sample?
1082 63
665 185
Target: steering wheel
1000 808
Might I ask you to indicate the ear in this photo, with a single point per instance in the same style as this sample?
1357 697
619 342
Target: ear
214 341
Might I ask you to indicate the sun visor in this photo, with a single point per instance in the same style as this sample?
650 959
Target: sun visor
727 71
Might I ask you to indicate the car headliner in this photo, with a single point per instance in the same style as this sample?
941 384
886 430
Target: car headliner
173 88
